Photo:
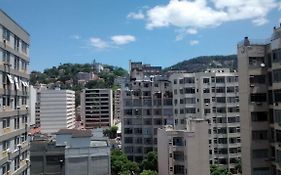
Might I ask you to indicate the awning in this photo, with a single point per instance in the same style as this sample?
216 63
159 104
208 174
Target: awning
24 83
10 78
17 83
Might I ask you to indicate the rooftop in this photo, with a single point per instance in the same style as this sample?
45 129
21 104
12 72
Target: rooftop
75 133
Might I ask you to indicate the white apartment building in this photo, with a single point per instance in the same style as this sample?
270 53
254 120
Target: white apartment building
14 110
184 152
96 108
211 95
57 110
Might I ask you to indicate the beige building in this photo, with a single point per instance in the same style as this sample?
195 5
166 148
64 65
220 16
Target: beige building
184 152
260 107
14 87
212 95
96 108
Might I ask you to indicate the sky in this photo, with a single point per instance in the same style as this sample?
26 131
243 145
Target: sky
157 32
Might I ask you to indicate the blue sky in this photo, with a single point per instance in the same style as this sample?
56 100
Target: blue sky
158 32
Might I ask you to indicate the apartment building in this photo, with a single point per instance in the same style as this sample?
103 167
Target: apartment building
260 97
184 152
212 95
57 110
147 106
14 112
138 70
96 108
117 105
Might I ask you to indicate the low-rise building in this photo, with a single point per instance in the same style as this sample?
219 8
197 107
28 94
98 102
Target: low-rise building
184 152
71 152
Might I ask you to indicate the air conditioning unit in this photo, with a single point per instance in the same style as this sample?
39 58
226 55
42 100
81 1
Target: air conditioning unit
18 107
252 85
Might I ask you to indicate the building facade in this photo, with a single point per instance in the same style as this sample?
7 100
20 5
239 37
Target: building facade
14 111
260 97
147 106
184 152
117 105
57 110
96 108
70 152
212 95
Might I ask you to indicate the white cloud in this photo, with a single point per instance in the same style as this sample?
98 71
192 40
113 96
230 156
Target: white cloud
98 43
260 21
122 39
280 20
279 6
191 31
75 36
138 15
193 42
202 13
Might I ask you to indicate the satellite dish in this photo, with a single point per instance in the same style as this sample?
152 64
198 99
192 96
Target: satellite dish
262 65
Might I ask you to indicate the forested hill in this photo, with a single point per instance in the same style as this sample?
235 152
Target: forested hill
202 63
68 72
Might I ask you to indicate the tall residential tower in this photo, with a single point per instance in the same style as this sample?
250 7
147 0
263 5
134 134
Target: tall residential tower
14 77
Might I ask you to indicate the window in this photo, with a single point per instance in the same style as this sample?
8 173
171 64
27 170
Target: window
16 43
276 56
16 142
206 100
206 80
259 116
189 80
256 61
232 79
259 135
24 47
190 110
277 116
220 100
189 90
260 153
220 80
17 162
16 122
178 141
178 169
5 167
175 81
277 95
6 34
6 122
6 144
257 79
258 97
206 90
220 90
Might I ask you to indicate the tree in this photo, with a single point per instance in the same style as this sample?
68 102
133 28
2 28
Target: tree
111 132
121 165
219 170
151 162
148 172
